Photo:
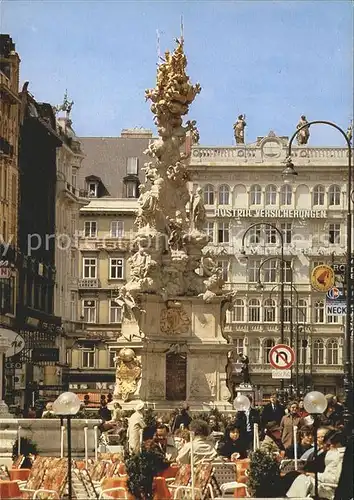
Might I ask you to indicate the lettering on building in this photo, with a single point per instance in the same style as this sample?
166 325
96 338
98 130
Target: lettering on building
276 213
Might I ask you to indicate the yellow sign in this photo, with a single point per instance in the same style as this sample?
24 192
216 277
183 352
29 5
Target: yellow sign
322 278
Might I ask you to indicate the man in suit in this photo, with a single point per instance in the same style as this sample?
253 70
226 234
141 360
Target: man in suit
272 412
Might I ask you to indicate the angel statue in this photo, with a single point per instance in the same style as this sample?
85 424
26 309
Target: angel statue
304 134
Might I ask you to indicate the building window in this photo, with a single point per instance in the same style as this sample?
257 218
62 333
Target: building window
270 235
90 229
116 268
73 265
287 311
238 311
14 189
238 345
209 195
332 352
254 310
286 228
115 312
334 196
269 311
332 318
223 232
117 229
253 271
288 271
89 310
111 358
318 195
132 165
319 312
131 189
224 195
255 195
302 311
92 189
88 358
74 176
209 229
254 235
334 234
318 352
224 266
73 306
254 350
271 195
89 268
267 346
270 271
286 195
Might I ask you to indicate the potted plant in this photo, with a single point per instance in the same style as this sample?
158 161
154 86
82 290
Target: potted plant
141 469
263 475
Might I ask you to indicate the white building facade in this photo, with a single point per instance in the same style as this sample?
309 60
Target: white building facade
243 186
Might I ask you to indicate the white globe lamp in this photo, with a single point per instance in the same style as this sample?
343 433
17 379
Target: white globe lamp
67 403
241 403
315 403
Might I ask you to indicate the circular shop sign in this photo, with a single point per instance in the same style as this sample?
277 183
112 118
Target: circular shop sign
17 342
322 278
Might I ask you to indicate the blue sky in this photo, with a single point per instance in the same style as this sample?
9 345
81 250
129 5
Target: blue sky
272 60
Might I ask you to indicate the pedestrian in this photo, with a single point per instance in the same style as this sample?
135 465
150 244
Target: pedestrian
136 424
287 424
273 411
183 418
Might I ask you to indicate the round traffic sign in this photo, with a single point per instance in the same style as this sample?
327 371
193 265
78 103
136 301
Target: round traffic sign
281 356
334 293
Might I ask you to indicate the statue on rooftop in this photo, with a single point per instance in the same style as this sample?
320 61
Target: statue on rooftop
239 129
304 134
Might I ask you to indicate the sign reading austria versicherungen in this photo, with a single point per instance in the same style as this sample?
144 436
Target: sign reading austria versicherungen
322 278
281 357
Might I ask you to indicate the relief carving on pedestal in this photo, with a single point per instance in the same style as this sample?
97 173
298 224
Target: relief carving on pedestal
174 321
128 373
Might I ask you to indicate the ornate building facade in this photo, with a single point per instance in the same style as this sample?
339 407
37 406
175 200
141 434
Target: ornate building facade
9 132
242 186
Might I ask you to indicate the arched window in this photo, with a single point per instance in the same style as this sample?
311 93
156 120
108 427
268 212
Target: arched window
238 311
209 195
302 311
254 350
267 346
332 352
255 195
334 195
319 312
287 311
271 195
318 352
254 310
318 195
224 195
269 310
286 194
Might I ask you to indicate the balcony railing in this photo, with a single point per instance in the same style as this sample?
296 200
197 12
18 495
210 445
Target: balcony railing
89 283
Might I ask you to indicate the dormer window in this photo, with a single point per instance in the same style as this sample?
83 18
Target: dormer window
132 189
92 189
132 165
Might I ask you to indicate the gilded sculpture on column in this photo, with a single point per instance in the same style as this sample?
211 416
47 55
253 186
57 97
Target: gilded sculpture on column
128 373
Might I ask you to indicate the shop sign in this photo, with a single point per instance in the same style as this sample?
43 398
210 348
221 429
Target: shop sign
268 213
98 386
45 354
5 272
17 342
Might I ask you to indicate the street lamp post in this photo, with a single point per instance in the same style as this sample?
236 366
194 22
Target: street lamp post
281 237
289 173
67 405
